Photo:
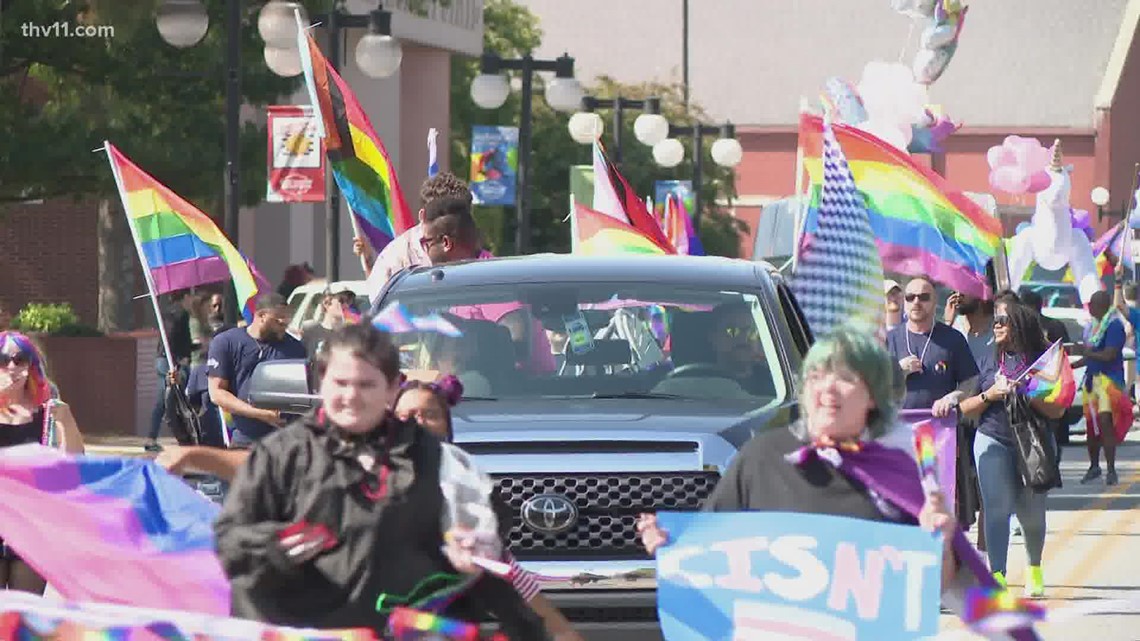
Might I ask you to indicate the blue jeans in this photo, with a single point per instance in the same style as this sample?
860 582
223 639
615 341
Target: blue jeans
1003 495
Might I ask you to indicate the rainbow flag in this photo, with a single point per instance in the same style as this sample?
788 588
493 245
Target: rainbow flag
180 246
615 198
922 225
110 530
358 159
597 234
1050 378
678 227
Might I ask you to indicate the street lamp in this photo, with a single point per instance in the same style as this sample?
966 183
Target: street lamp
490 89
650 127
726 152
1099 197
182 23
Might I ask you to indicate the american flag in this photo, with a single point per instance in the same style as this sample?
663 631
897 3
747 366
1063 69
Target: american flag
839 275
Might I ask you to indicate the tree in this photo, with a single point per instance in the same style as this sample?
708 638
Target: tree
62 97
511 30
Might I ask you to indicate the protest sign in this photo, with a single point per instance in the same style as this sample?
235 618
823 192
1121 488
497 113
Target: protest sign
774 575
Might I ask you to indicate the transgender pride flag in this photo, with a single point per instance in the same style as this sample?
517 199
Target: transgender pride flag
111 530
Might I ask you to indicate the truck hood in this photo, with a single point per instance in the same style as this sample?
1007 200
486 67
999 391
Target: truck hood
609 435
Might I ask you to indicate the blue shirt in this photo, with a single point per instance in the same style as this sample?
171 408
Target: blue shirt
1114 336
994 422
234 354
946 363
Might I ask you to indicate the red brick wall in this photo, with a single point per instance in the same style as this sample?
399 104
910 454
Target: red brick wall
50 255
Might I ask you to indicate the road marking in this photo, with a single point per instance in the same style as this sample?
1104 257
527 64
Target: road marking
1087 564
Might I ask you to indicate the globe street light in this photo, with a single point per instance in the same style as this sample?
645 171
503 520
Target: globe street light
646 127
182 23
726 152
489 90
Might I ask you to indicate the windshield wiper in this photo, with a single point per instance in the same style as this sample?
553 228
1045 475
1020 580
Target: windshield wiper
633 395
479 398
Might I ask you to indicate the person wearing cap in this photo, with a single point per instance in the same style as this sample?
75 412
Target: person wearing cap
892 312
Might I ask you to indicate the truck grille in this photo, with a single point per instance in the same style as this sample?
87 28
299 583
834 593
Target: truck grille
608 505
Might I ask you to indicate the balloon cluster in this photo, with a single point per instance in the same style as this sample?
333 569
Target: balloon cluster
945 19
1018 165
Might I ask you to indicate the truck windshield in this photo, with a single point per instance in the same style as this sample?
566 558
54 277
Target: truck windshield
597 340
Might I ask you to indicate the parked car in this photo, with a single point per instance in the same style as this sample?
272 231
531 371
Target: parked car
618 426
305 301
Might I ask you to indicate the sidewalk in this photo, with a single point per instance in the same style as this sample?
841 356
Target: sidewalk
123 445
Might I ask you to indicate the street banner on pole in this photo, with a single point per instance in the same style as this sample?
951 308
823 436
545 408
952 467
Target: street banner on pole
494 164
296 156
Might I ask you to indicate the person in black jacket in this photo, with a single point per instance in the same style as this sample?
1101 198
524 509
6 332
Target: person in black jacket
336 519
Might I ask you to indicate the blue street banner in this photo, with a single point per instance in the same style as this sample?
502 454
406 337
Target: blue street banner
494 164
729 576
662 188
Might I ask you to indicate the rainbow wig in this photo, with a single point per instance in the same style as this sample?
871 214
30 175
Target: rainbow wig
38 384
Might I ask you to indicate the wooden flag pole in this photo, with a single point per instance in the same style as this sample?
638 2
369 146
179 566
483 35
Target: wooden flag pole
142 258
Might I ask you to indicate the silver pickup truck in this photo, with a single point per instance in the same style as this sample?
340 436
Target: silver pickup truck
597 389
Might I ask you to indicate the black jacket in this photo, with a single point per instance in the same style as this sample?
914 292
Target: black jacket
390 547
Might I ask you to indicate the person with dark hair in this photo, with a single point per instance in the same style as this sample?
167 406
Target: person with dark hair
1108 409
934 358
294 277
406 249
1055 330
176 323
235 353
337 519
335 309
1019 341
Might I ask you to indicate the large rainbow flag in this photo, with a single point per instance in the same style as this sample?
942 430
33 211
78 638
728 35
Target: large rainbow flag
358 159
922 225
181 247
109 530
598 234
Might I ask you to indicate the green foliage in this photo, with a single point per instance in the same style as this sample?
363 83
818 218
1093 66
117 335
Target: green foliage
56 319
162 106
511 31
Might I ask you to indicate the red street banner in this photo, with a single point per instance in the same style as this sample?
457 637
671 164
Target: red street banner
296 156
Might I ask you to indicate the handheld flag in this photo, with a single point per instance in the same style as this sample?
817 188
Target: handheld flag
358 159
180 247
433 153
927 455
1050 378
839 277
597 234
615 198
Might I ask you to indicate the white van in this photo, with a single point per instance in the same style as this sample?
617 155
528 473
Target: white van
305 301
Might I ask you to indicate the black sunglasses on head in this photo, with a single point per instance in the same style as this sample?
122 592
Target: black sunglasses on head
924 297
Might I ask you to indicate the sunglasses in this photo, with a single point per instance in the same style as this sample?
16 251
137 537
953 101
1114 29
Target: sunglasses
19 360
926 298
1002 320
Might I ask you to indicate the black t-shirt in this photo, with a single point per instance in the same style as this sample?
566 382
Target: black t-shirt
761 479
313 338
946 362
176 322
234 354
1055 330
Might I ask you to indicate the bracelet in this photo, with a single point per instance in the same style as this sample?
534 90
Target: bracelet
984 399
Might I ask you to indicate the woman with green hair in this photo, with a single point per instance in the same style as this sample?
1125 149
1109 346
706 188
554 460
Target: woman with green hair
828 461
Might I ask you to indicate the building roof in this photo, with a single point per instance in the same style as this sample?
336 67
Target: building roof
1020 63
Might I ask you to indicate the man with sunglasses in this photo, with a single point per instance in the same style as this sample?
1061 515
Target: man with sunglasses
934 357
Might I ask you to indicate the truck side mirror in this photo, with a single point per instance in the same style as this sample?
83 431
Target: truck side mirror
282 385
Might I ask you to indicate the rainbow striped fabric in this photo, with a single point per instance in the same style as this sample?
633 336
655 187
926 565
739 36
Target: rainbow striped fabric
180 246
358 159
1050 378
678 227
614 197
598 234
922 225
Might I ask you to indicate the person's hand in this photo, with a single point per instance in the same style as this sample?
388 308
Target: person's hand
173 459
361 248
910 365
459 546
951 310
935 517
1000 389
943 406
273 417
172 378
652 536
1077 349
1119 271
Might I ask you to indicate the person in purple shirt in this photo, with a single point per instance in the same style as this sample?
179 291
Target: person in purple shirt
235 353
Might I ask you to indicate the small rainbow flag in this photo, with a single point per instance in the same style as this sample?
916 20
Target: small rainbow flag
180 246
922 225
358 159
678 227
927 454
997 609
597 234
1050 377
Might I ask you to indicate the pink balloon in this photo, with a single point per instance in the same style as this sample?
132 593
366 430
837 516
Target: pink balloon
1009 179
1038 182
999 156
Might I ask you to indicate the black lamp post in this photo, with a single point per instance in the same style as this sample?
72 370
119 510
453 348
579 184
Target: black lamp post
585 125
726 152
490 89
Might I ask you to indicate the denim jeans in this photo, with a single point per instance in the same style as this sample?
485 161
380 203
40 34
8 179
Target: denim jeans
1003 495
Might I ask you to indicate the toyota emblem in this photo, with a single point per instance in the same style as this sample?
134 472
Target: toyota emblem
549 513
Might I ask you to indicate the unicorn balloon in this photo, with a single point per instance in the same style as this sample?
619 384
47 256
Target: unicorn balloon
1050 240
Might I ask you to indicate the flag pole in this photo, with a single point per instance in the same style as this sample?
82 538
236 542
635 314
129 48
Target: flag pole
142 257
801 201
573 224
1125 227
